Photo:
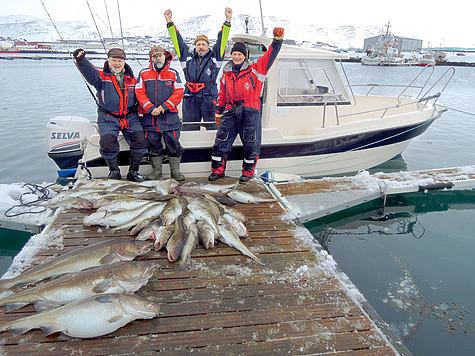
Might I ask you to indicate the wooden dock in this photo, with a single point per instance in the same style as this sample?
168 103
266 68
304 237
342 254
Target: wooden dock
316 198
225 303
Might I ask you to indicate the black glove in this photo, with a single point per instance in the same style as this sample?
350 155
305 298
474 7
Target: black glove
79 54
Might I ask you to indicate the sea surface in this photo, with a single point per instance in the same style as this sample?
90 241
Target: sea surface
413 260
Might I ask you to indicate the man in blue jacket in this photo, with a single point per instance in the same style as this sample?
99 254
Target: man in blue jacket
116 110
201 67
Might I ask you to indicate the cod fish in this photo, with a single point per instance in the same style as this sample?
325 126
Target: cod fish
202 211
206 234
162 235
191 241
237 225
113 219
171 211
119 277
247 198
196 192
101 253
86 318
177 241
229 237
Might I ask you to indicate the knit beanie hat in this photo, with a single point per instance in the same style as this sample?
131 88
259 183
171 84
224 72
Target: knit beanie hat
201 38
239 47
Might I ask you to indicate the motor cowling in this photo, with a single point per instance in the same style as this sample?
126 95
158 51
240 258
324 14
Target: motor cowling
66 137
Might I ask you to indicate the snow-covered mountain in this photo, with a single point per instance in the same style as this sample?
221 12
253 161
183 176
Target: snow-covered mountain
40 29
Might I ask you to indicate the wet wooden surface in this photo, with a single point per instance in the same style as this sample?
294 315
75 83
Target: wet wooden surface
340 184
225 303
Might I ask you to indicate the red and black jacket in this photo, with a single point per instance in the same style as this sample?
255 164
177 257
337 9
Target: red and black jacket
155 88
245 88
112 100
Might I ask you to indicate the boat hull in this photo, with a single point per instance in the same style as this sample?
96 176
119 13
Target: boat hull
306 158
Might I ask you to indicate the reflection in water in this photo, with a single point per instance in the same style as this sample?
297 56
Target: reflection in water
401 217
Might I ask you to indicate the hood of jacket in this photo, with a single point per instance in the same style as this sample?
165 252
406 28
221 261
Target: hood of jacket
228 67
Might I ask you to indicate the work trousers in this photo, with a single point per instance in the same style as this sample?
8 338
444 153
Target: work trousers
197 107
247 123
109 129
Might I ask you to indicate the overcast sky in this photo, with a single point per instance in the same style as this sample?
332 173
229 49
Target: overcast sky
446 25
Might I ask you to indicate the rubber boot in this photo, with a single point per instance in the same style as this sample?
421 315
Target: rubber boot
114 171
175 168
156 173
134 175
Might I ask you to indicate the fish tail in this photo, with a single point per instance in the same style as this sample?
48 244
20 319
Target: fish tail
17 327
5 284
15 306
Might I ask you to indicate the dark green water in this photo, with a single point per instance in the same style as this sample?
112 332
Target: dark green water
11 242
413 260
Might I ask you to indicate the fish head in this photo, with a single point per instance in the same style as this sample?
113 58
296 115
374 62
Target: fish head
139 306
135 270
131 248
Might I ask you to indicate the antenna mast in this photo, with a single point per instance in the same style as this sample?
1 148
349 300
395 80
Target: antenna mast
262 20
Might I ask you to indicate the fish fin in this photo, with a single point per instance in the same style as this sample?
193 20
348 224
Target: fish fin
114 319
101 287
103 298
42 306
19 331
107 259
235 186
48 330
15 306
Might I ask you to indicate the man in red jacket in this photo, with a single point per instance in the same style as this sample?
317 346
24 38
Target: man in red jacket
239 107
159 90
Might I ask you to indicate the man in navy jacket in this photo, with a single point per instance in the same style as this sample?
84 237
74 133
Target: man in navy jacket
201 67
116 110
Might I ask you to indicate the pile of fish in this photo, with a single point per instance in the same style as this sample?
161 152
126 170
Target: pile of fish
93 295
176 217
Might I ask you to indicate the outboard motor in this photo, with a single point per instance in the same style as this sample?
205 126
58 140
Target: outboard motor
67 136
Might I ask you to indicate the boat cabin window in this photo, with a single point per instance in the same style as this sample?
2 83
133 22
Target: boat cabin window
310 82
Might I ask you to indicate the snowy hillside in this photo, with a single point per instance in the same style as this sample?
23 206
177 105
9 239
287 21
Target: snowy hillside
40 29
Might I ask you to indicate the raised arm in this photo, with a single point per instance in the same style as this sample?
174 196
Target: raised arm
181 48
86 68
219 47
265 62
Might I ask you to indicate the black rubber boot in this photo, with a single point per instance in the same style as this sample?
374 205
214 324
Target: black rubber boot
134 175
215 176
244 178
114 171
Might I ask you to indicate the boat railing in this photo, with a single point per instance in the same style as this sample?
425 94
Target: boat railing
419 102
448 75
410 85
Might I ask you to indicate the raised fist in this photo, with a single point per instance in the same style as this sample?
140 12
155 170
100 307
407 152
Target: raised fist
79 54
278 33
168 15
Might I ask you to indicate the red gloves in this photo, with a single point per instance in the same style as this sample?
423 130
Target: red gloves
278 33
217 118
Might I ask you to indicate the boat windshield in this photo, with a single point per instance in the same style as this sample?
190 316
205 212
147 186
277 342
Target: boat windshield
310 82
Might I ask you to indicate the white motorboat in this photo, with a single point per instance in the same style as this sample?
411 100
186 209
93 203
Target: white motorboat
313 124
